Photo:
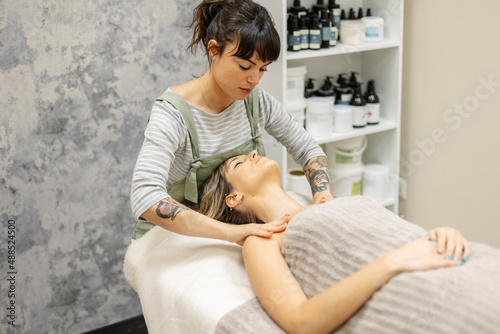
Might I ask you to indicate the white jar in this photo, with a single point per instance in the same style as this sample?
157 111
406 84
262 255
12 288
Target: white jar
376 182
352 32
319 116
295 81
374 28
342 118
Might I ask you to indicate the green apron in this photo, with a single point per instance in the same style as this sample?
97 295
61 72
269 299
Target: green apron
187 190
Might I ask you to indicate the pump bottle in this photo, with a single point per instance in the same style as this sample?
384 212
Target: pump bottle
327 89
309 88
304 33
372 104
314 34
297 9
293 34
358 104
343 92
353 80
326 29
333 30
336 12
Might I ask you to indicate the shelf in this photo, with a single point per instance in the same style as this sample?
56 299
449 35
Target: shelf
383 125
340 49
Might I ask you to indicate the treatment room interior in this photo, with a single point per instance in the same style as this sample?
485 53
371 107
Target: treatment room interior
77 80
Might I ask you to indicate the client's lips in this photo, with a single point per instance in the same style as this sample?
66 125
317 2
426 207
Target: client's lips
246 90
257 160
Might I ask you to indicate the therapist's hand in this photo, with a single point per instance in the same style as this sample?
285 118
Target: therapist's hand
238 233
450 243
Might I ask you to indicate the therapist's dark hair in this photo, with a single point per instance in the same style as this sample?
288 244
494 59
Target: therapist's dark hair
241 22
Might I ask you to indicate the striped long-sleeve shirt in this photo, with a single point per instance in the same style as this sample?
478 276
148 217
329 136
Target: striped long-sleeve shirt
166 153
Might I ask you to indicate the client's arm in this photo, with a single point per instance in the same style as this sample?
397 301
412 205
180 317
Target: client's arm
284 300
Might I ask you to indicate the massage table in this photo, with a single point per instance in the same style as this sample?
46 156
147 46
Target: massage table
194 285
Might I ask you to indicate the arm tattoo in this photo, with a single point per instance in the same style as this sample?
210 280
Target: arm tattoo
169 208
316 171
318 180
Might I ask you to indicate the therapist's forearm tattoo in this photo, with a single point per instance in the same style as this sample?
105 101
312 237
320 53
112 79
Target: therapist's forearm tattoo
169 209
316 171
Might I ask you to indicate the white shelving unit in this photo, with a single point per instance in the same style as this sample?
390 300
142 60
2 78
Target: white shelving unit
380 61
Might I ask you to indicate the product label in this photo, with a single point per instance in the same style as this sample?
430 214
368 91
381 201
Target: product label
304 38
373 112
356 188
326 33
333 36
359 116
372 32
294 41
336 17
314 39
344 99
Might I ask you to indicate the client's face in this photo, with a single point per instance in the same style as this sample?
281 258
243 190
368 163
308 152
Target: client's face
247 173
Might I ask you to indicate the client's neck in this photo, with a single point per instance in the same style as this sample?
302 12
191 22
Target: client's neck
272 204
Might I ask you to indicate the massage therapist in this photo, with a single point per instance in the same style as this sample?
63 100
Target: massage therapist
195 126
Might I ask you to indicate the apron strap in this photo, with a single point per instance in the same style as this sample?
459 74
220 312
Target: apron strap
183 107
252 106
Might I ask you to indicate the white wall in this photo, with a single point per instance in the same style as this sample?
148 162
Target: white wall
451 48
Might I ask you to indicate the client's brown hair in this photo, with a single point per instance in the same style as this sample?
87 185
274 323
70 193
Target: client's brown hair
213 201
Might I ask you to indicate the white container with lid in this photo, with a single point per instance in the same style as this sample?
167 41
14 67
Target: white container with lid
352 32
295 81
342 118
374 28
319 120
346 182
344 154
376 182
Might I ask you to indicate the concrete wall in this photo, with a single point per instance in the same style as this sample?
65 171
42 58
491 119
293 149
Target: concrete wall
451 114
76 82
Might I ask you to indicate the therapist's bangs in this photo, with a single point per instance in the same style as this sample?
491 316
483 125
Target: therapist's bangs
261 39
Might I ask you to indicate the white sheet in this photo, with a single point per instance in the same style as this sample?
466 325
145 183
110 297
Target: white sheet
187 284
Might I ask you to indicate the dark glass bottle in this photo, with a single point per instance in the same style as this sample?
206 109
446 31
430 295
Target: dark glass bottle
310 90
343 92
293 33
327 89
304 33
353 80
372 104
314 33
297 9
326 30
320 5
358 104
336 12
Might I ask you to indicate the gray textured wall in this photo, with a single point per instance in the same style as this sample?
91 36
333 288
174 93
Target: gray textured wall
76 81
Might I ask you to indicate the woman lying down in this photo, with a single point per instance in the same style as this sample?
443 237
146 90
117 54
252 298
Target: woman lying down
349 264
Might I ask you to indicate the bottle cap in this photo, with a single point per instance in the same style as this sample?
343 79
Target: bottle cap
360 13
352 15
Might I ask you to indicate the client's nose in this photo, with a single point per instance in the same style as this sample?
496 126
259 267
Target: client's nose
253 155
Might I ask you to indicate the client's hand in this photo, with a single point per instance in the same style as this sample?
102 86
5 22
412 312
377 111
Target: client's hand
238 233
420 254
451 242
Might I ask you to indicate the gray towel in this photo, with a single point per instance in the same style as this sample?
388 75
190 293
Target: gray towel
327 243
